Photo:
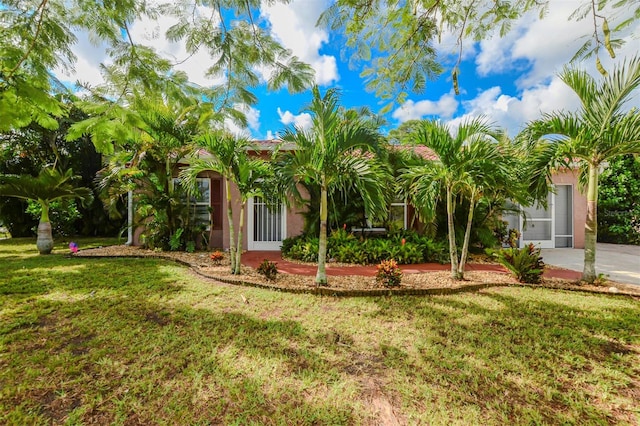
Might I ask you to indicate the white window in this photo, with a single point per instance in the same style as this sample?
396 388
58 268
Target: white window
397 218
200 205
398 215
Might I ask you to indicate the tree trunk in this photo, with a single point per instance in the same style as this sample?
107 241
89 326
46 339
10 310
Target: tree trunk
239 246
591 226
232 242
44 242
321 275
453 252
467 237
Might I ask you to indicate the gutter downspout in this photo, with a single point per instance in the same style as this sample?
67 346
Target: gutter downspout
129 218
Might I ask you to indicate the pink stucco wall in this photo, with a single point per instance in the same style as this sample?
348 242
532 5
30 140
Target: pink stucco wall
570 177
294 219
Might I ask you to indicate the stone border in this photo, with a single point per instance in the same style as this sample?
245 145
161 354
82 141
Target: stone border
333 292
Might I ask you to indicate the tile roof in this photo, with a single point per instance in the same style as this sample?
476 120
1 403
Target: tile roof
421 150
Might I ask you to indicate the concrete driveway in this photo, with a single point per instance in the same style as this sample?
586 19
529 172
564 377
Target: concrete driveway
618 262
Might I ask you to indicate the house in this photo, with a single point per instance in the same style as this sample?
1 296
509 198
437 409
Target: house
561 225
266 227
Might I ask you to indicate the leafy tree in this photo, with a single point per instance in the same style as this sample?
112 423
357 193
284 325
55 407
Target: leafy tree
599 132
50 185
336 154
618 202
37 37
470 164
157 134
396 39
228 156
29 149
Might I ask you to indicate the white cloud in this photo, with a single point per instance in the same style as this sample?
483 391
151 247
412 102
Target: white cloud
294 25
512 113
302 120
253 121
444 107
545 45
148 32
152 33
87 66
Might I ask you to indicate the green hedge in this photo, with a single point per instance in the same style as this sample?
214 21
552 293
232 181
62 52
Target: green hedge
345 247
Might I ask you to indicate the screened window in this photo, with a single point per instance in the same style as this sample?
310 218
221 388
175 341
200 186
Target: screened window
200 205
398 215
397 218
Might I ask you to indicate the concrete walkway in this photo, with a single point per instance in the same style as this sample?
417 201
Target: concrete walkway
618 262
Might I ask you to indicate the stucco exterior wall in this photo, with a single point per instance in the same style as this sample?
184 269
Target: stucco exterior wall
294 219
570 177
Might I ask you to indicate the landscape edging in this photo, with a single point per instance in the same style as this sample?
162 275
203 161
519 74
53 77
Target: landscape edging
322 291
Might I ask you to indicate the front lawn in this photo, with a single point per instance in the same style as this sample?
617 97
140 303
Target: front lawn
144 341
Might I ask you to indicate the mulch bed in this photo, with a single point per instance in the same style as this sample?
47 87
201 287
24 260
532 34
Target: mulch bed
437 282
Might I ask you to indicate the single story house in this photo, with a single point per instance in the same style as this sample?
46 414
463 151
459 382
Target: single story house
560 225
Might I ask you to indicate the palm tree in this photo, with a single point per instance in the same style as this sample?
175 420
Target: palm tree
469 164
155 135
50 185
600 131
336 154
229 157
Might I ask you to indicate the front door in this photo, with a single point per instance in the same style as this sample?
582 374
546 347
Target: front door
266 225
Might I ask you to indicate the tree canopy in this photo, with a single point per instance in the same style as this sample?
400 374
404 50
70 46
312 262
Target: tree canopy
38 36
396 40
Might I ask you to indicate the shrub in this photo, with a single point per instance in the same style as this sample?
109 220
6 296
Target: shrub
190 247
389 273
63 215
525 263
175 241
217 257
405 247
268 269
302 248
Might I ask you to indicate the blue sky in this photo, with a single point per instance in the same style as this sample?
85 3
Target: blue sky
509 80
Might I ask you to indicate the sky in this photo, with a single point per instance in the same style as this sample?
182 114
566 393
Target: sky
509 80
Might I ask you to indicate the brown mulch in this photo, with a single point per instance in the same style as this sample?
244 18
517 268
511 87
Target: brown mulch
412 283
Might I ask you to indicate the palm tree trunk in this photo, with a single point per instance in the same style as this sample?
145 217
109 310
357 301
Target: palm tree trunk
453 252
321 275
232 243
591 226
44 242
239 246
467 237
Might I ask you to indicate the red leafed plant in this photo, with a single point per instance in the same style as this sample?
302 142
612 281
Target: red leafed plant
217 257
389 273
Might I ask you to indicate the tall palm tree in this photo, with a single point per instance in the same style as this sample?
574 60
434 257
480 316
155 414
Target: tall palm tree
228 156
50 185
469 164
601 130
336 154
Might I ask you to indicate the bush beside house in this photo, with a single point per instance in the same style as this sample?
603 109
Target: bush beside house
406 247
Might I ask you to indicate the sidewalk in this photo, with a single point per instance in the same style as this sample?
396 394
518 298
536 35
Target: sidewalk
254 258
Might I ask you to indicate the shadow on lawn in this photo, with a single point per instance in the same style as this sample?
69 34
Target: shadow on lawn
92 341
113 355
537 358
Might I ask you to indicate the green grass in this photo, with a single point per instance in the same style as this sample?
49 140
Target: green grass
142 341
